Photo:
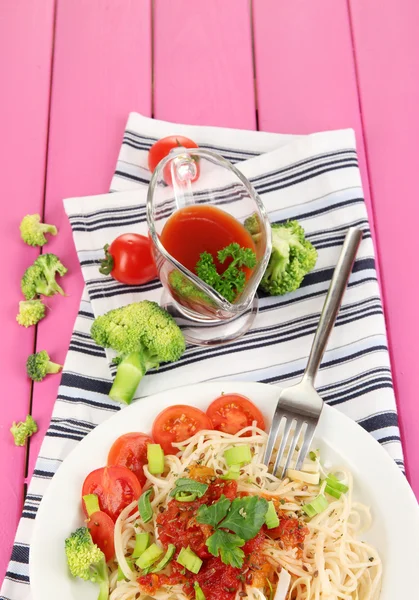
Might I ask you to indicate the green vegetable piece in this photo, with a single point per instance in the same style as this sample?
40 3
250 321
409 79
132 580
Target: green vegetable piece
182 286
334 483
155 459
227 546
185 486
149 556
39 278
312 455
232 281
252 224
23 430
39 366
87 561
32 231
121 576
233 473
246 516
271 517
316 506
171 549
144 335
185 497
188 559
199 594
142 541
332 492
239 455
292 257
144 506
213 514
91 503
30 312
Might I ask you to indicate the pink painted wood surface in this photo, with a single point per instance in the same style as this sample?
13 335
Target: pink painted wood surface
387 57
102 71
203 63
305 72
25 58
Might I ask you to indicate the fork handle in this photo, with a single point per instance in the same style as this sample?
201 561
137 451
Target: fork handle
333 301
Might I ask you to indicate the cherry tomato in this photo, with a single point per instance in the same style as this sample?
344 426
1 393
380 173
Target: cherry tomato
231 413
130 450
178 423
129 259
101 529
115 487
161 149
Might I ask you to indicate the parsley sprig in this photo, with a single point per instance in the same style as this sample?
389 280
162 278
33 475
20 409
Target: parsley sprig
234 523
232 282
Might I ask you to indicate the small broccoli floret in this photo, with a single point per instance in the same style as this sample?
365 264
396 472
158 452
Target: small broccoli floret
39 278
292 258
39 365
252 224
87 561
32 230
23 430
144 335
30 312
182 287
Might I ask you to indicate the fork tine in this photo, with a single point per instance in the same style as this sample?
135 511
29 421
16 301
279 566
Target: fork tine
285 435
305 447
297 432
273 434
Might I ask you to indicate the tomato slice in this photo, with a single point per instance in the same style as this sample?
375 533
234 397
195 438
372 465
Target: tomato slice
231 413
115 487
178 423
130 450
101 529
161 149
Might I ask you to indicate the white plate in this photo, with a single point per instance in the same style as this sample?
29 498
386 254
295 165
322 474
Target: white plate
378 482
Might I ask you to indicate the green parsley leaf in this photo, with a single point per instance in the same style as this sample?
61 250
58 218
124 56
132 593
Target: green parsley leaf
246 516
212 515
227 546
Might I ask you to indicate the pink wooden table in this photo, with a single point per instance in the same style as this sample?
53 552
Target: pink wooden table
71 70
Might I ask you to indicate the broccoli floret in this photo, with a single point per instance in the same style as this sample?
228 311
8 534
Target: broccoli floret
87 561
32 230
252 224
30 312
39 365
21 431
182 287
39 278
143 335
292 258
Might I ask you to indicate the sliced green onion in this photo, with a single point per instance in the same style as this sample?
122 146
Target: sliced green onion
332 492
185 497
149 556
188 559
121 576
171 549
91 503
240 455
144 506
334 483
142 541
189 486
232 473
312 455
318 505
199 594
271 518
155 459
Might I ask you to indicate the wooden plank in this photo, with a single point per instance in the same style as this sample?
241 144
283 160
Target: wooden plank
102 71
387 56
305 73
203 70
26 33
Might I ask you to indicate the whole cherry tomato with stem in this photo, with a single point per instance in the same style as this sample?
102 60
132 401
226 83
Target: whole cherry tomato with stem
129 259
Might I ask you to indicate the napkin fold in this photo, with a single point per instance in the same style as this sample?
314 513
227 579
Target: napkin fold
314 179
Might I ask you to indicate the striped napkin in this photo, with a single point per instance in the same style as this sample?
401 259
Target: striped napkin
314 179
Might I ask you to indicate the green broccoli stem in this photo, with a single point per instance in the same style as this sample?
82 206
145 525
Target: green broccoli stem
101 577
129 374
48 228
53 367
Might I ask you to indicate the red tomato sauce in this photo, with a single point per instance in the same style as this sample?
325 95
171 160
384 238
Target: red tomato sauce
192 230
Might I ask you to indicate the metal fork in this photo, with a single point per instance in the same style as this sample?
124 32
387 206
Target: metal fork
300 405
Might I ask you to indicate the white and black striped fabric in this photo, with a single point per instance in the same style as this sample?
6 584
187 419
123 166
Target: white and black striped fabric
314 179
